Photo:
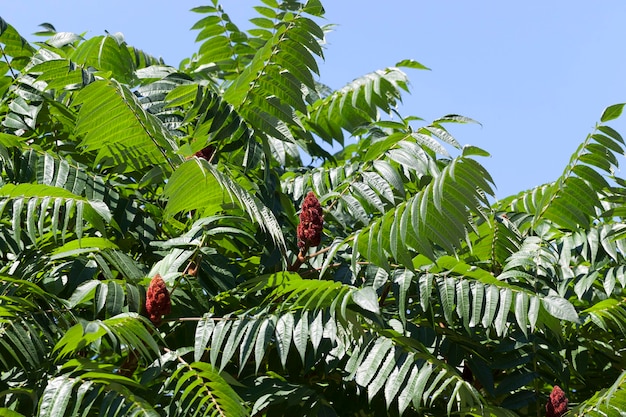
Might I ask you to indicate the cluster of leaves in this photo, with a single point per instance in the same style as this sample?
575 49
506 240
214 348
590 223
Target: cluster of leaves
424 297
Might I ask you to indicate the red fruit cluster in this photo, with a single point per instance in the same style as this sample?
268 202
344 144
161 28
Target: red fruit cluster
311 222
557 404
158 301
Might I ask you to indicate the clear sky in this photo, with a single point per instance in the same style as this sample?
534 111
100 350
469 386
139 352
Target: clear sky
536 74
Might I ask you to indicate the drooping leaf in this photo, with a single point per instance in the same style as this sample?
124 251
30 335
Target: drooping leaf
113 124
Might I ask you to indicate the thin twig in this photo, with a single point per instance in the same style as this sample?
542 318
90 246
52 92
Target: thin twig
6 58
385 293
300 259
202 318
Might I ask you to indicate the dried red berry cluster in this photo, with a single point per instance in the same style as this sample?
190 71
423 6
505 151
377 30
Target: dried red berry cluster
311 222
557 404
158 301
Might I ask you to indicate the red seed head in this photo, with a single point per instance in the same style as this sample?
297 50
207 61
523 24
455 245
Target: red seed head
557 404
158 301
311 222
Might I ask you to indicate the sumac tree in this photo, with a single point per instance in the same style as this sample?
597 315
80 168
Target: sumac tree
153 261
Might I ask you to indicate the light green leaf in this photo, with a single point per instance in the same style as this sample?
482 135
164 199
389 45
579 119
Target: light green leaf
113 123
560 308
367 299
301 334
501 322
266 333
197 185
284 334
56 396
372 362
612 112
469 150
410 63
204 329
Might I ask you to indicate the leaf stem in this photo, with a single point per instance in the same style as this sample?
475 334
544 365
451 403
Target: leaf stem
6 58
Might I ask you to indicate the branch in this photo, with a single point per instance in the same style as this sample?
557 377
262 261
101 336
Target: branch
6 58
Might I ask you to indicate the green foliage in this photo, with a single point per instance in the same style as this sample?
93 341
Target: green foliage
425 296
131 141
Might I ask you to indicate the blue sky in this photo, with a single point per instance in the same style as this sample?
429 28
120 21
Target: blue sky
535 74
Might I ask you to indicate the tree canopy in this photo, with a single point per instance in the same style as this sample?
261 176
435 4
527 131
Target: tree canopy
232 237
